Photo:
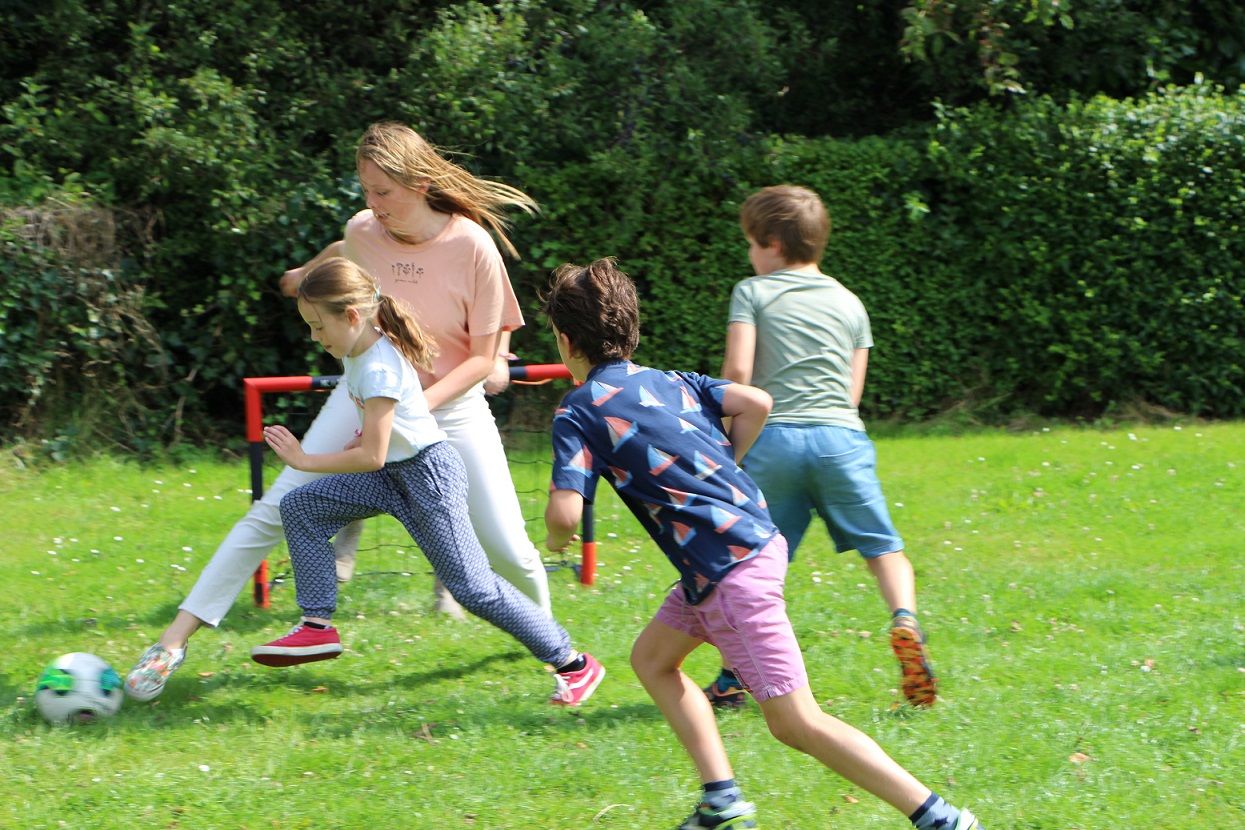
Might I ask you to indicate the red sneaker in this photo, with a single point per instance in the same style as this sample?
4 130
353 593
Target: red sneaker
302 645
574 687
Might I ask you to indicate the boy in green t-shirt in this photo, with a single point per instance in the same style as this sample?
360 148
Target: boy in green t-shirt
805 339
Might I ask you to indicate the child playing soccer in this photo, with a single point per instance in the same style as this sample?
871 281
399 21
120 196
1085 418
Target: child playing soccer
805 339
658 437
399 463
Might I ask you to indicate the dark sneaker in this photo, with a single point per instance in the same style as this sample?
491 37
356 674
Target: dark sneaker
574 687
726 693
918 682
737 816
302 645
146 680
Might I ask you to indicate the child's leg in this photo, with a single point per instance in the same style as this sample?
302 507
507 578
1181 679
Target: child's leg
896 580
657 658
255 535
312 515
431 504
797 721
491 500
918 680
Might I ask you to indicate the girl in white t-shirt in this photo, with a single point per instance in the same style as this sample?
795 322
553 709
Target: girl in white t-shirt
399 463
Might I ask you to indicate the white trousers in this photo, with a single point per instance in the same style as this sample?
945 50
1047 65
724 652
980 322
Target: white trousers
491 502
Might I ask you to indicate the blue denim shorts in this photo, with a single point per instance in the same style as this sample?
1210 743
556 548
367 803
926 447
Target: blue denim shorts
831 470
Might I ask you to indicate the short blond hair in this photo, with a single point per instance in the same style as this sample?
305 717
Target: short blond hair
790 215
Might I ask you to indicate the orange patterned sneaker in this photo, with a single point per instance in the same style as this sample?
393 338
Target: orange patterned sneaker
919 682
726 693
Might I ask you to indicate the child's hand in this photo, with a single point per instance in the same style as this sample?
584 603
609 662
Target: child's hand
289 281
499 378
285 445
556 544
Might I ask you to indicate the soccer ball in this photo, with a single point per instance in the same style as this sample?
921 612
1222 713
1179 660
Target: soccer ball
78 688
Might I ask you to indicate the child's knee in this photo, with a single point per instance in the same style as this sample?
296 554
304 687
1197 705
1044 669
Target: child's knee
642 659
294 507
788 733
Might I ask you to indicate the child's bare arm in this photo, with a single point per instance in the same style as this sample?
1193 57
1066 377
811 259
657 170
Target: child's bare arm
860 365
562 517
748 407
741 343
365 454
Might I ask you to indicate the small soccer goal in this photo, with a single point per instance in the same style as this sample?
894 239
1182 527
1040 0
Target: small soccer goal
524 413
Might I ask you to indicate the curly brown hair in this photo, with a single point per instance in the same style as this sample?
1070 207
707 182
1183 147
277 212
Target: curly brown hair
596 307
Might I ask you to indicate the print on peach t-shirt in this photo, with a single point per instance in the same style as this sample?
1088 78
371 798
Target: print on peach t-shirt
455 283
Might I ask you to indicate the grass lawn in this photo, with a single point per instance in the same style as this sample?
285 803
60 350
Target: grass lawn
1083 592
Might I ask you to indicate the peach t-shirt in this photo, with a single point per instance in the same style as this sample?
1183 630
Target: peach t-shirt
455 283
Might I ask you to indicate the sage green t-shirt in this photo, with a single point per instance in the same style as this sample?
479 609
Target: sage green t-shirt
807 328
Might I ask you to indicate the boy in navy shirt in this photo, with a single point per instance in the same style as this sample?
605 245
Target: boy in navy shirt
659 438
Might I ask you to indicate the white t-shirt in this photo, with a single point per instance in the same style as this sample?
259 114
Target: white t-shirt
382 372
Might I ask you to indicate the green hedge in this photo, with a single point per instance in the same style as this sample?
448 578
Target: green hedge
1061 260
1058 259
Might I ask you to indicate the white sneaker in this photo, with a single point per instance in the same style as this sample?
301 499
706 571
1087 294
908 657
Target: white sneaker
146 680
967 821
446 604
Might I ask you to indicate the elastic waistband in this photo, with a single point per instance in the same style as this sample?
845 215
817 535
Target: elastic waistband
393 465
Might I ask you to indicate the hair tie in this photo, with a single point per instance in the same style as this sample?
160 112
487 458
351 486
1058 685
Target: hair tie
376 296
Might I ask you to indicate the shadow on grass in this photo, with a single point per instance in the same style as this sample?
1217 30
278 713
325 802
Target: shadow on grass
413 700
244 619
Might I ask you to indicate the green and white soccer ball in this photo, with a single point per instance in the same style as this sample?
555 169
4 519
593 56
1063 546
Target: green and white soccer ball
78 688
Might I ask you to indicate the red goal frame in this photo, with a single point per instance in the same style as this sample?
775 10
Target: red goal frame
256 388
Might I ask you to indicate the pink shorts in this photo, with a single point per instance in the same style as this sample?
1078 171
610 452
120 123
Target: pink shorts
745 616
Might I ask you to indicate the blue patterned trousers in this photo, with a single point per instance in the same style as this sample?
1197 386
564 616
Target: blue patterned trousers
428 495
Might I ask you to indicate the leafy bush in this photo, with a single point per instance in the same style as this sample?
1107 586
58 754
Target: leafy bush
1054 259
74 331
1036 258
